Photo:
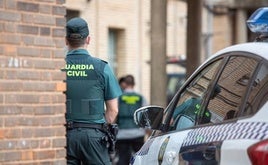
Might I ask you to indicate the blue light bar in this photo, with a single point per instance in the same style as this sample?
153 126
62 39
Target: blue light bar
258 21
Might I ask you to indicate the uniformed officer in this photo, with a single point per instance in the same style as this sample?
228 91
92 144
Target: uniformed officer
90 86
130 137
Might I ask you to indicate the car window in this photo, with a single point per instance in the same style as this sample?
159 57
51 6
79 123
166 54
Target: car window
233 82
174 82
191 100
258 92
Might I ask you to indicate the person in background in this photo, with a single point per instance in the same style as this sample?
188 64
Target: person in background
122 83
130 137
90 84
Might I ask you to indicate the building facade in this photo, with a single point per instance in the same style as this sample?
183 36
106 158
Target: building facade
120 32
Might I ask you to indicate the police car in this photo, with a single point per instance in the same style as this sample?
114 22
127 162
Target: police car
223 110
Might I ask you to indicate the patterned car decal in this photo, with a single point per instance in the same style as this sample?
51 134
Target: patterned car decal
145 148
230 131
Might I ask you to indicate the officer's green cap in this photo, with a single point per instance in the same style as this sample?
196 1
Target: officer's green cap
77 28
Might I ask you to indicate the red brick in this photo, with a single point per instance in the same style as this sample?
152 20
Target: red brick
44 154
45 20
43 132
59 142
11 122
60 130
12 133
2 133
27 40
61 153
59 10
9 38
10 16
44 31
60 75
11 86
27 133
58 120
58 32
1 98
43 41
29 7
27 155
11 156
44 110
60 22
2 4
10 110
10 27
45 143
60 44
11 4
28 75
46 53
46 9
28 51
27 29
61 86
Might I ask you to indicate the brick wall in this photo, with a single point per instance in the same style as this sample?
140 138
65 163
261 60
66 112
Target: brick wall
32 103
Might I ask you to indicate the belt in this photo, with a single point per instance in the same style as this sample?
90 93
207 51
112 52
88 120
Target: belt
71 125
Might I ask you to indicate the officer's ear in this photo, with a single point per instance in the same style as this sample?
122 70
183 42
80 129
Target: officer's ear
88 40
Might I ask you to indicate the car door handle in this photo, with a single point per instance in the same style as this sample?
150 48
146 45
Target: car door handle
209 152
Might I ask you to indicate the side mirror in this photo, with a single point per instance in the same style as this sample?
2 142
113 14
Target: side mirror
149 117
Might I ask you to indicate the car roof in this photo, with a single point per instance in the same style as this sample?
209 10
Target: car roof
258 48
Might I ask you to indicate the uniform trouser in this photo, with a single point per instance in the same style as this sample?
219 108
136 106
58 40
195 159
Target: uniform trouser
86 146
126 147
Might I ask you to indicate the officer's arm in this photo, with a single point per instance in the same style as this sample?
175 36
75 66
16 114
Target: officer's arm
111 110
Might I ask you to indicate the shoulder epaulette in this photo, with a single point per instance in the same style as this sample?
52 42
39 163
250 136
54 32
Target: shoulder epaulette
104 61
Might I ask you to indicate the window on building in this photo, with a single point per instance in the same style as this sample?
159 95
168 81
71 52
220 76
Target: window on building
116 48
71 14
112 49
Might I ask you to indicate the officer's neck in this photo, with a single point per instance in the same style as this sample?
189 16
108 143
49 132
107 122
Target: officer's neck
75 48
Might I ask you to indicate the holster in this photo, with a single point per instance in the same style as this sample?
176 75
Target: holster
111 131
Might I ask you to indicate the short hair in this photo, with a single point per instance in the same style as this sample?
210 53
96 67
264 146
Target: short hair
121 80
76 42
129 80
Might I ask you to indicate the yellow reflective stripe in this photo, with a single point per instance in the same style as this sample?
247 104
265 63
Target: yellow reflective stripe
130 99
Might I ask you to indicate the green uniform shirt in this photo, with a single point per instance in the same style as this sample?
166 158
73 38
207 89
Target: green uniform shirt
90 82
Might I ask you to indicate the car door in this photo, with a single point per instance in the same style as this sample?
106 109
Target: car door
224 139
192 106
163 147
202 119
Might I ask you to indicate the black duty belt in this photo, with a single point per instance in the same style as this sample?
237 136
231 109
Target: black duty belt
71 125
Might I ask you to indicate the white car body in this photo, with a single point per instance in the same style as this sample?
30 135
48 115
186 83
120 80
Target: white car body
234 137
